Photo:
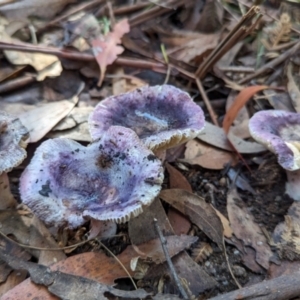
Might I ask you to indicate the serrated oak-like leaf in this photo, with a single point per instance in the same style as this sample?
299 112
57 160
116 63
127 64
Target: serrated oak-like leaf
106 48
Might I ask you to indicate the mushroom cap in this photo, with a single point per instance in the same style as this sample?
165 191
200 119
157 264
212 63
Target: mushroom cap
14 138
66 183
162 116
279 131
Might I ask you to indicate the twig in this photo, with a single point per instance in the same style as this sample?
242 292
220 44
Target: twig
169 261
155 11
207 102
16 83
240 30
76 55
280 288
272 64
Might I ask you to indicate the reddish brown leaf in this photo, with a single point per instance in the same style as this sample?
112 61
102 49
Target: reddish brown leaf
106 49
180 224
177 180
198 211
245 229
242 98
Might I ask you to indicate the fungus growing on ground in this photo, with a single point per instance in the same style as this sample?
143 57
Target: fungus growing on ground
14 138
279 131
162 116
66 184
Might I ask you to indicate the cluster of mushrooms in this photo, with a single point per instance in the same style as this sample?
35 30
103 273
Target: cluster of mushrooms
111 179
67 184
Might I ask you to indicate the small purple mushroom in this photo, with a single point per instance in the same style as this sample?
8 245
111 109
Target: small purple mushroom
14 138
279 131
66 184
162 116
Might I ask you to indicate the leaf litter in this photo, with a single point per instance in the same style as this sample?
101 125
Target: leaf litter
52 89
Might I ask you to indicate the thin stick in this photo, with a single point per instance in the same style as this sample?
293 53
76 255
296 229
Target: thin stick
169 261
207 102
272 64
41 248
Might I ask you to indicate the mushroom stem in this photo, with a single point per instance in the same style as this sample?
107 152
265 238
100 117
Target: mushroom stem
292 187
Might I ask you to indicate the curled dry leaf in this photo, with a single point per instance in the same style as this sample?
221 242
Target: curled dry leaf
216 136
206 156
244 228
106 49
242 98
198 211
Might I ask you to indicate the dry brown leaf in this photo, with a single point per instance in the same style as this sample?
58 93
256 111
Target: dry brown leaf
104 269
281 101
198 211
152 250
240 127
201 252
7 200
79 133
177 180
106 49
226 225
293 85
141 229
179 223
192 48
244 228
216 136
28 230
206 156
44 64
241 99
287 234
56 282
41 120
25 8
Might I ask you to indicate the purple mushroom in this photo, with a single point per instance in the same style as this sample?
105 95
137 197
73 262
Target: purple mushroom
279 131
162 116
66 184
14 138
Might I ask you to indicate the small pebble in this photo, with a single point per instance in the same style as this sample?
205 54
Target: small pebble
225 282
222 181
236 252
278 199
239 271
207 263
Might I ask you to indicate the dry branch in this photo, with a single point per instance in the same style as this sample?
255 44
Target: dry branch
281 288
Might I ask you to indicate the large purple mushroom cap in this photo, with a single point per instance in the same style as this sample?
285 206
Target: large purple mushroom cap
162 116
279 131
66 183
